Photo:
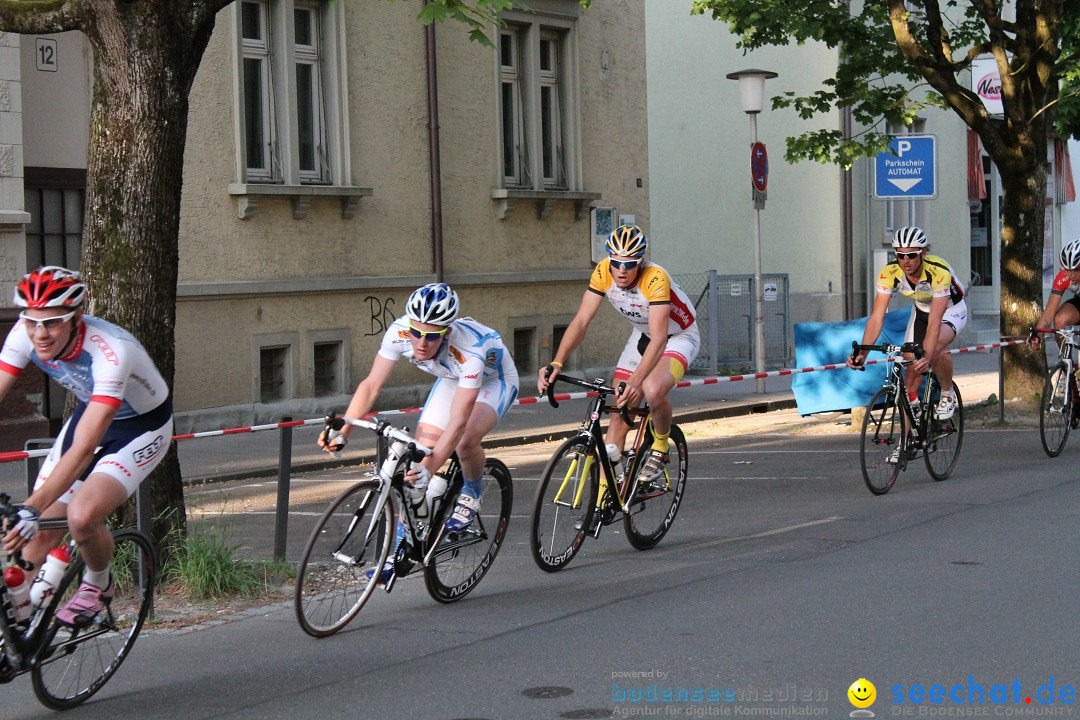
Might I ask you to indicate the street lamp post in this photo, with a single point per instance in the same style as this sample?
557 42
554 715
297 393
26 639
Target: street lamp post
752 99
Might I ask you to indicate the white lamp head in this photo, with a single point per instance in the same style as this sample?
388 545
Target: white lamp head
752 88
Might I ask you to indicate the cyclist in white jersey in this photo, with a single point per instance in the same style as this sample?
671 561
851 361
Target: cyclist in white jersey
477 383
664 342
120 430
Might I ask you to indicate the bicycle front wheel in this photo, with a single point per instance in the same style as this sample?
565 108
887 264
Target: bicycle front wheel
1055 412
881 452
652 509
342 559
74 662
461 562
564 504
945 438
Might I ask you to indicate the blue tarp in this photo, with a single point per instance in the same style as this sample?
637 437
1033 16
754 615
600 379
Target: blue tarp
828 343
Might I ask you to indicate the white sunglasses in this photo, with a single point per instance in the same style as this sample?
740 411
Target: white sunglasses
49 324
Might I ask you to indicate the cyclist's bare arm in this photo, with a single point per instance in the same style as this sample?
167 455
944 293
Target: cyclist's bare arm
572 337
366 393
6 381
873 327
933 334
89 431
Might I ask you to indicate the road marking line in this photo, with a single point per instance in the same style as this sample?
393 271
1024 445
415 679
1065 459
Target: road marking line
762 534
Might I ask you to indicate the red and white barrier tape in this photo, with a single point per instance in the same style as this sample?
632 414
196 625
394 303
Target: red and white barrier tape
24 454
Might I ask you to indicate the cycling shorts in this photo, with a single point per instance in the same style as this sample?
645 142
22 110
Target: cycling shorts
129 451
681 350
498 393
955 317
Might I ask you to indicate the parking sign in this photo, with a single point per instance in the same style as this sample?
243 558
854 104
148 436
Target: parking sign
908 169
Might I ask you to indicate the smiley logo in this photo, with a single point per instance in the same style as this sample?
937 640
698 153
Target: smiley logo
862 693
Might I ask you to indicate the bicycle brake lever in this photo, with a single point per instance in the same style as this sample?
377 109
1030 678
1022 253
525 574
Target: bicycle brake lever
551 391
623 412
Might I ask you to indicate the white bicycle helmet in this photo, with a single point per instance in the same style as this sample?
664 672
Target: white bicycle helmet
1070 255
910 237
434 303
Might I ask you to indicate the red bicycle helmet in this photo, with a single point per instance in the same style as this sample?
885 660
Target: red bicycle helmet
50 286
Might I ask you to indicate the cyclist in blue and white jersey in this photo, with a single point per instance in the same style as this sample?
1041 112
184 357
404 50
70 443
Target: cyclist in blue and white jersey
477 383
120 430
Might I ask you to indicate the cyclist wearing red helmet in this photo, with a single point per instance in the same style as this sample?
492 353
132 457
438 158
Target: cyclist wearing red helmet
119 432
1056 313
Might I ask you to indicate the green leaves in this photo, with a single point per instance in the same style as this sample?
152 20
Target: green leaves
479 16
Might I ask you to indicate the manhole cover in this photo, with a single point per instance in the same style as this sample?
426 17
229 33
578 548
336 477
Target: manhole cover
585 713
965 562
546 693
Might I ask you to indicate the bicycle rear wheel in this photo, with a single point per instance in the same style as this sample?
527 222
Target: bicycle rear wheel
342 560
652 511
461 562
881 452
75 662
942 448
564 504
1056 409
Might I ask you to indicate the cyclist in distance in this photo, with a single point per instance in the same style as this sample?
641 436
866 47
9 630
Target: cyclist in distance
477 383
937 317
1058 314
664 342
120 430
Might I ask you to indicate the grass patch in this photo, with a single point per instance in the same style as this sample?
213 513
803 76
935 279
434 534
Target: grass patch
206 567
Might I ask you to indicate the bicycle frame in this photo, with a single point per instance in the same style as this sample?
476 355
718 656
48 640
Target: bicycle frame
590 431
897 383
21 646
393 462
1068 341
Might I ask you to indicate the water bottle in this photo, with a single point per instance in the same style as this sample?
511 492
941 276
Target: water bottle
19 590
416 494
614 453
49 578
435 491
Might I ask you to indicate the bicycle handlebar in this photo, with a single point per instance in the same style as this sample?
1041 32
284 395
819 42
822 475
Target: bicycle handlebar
595 385
379 427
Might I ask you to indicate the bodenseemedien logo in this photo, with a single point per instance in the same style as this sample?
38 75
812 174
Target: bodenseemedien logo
862 694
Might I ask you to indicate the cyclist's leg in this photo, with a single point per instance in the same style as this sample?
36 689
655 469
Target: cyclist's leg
953 321
1068 313
624 368
680 352
130 450
496 397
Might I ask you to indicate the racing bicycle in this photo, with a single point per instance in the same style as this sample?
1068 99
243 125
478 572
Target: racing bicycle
893 435
69 663
1059 408
352 541
581 490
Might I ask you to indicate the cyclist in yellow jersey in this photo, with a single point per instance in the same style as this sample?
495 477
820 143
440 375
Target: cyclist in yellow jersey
664 342
938 316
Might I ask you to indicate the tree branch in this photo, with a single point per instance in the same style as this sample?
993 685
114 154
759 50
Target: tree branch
31 17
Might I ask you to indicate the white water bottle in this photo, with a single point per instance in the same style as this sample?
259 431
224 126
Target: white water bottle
49 578
18 586
614 453
435 490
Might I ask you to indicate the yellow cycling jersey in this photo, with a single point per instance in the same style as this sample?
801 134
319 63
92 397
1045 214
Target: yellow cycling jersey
654 286
938 280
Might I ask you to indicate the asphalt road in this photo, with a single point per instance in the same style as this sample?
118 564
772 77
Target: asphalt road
781 583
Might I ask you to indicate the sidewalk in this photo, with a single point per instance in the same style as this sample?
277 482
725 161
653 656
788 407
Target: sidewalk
256 454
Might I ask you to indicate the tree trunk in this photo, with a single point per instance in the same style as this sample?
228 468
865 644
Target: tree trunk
145 59
1022 213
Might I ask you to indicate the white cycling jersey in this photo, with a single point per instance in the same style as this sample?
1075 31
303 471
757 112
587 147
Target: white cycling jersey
470 353
105 364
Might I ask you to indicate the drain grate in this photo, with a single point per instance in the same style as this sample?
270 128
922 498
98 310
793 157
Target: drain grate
547 692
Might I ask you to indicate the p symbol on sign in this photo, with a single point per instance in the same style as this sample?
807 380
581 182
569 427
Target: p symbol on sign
902 146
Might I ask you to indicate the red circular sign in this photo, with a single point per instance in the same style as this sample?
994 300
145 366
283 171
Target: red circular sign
759 166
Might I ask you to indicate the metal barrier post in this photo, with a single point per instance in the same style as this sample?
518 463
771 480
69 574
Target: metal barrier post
281 523
714 323
33 464
144 524
1001 383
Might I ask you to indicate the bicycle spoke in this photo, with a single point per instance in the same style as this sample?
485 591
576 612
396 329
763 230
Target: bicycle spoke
564 505
881 451
1055 411
652 510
